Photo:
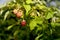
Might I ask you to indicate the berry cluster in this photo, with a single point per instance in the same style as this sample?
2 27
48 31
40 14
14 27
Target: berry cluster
19 14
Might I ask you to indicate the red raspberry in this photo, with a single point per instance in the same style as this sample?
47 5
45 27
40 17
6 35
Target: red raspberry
19 14
23 23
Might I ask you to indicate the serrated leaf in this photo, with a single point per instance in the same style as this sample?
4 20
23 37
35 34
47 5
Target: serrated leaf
49 15
27 8
28 1
32 24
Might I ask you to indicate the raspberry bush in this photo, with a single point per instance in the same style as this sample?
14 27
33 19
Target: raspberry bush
29 20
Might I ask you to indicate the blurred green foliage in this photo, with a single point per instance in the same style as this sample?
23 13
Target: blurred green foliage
43 23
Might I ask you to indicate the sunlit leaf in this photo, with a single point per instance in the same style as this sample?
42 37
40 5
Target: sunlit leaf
37 38
40 6
1 12
49 15
32 24
39 20
5 16
27 8
9 27
57 24
53 24
28 1
35 21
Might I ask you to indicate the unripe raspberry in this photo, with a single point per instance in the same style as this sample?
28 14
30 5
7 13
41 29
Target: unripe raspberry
19 14
15 11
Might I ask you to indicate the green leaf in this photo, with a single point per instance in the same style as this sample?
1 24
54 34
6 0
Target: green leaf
57 39
39 20
32 24
6 14
39 28
53 24
40 6
28 1
27 8
37 38
16 32
14 0
49 15
1 12
9 27
57 24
